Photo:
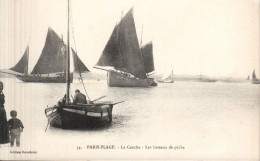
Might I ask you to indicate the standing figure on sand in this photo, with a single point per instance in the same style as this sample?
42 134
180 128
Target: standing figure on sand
15 127
4 137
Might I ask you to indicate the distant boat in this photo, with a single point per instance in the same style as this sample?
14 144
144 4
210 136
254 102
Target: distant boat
50 67
168 79
131 64
254 79
68 114
204 79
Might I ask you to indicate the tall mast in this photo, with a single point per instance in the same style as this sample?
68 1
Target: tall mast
141 37
141 42
68 57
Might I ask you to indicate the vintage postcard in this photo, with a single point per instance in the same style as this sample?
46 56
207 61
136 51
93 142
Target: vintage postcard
129 80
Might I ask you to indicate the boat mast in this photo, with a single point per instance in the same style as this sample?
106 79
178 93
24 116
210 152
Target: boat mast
68 58
118 30
27 63
141 37
141 43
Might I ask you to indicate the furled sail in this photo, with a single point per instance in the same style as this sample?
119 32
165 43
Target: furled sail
147 55
53 56
22 65
79 66
122 50
170 77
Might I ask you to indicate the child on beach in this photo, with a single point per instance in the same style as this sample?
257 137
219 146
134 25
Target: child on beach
15 128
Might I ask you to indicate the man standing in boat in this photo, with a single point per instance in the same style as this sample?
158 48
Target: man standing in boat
79 97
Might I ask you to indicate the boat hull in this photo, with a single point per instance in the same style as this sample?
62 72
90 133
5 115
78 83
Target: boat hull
80 116
207 80
256 82
166 81
44 78
151 82
115 79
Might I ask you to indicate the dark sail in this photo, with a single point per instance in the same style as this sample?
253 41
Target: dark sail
52 59
147 54
22 65
129 47
110 55
122 50
78 64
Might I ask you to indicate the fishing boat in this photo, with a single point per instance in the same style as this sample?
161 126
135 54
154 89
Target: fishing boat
254 79
50 67
130 64
69 114
248 77
205 79
168 79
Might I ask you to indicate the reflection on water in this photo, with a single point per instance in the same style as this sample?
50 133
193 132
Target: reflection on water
202 117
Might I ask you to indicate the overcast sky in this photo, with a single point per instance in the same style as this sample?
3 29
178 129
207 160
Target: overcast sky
210 37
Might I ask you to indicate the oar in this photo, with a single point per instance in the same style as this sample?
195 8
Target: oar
118 102
98 98
47 125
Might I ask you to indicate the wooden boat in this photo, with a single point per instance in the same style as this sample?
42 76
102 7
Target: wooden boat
254 79
57 78
205 79
168 79
131 64
120 79
67 114
50 67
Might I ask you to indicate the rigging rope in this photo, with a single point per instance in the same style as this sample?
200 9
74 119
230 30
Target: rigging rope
72 30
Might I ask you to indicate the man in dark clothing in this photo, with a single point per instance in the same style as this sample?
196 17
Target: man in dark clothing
2 96
79 97
15 127
4 137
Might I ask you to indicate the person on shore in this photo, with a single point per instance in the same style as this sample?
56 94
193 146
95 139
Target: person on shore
4 137
15 127
79 97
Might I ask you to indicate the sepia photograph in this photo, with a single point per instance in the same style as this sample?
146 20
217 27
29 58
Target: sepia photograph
129 80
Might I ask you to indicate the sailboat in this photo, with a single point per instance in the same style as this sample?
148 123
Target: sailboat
50 67
68 114
168 79
254 79
131 64
205 79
